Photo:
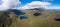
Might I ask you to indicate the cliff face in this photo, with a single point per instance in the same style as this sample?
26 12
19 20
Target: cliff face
45 18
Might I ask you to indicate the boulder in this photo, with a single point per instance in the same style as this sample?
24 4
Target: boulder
37 14
17 12
23 17
57 19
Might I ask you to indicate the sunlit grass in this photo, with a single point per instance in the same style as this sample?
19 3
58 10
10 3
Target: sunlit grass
46 19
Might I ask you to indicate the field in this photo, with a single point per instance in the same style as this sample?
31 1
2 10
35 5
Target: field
46 19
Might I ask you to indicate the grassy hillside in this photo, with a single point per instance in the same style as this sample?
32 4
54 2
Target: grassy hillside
46 19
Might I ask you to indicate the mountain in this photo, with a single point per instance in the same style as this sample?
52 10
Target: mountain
30 18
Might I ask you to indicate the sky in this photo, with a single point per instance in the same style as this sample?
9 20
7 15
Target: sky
29 4
55 4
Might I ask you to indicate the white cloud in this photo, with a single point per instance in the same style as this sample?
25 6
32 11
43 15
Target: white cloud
35 4
9 4
48 0
53 7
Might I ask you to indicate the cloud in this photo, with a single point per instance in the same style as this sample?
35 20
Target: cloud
35 4
53 7
48 0
8 4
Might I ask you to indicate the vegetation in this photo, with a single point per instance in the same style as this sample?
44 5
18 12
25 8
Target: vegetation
46 19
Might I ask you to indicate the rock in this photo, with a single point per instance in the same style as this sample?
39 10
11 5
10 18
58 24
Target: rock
23 17
17 12
6 14
5 20
57 19
37 14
